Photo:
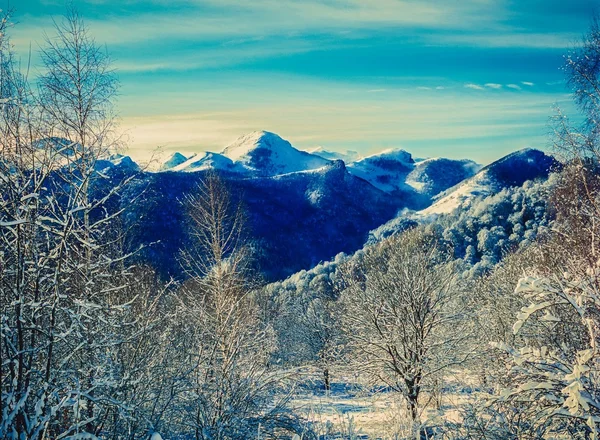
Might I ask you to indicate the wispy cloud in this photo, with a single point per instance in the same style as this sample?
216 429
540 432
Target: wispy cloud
513 86
473 86
507 37
339 119
223 19
528 83
212 56
493 86
452 23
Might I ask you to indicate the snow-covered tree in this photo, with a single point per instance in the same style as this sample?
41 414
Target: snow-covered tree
62 269
232 387
553 377
403 315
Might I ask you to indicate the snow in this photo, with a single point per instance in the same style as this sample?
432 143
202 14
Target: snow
203 161
386 171
396 154
174 160
459 196
268 154
396 170
489 180
13 223
437 173
123 161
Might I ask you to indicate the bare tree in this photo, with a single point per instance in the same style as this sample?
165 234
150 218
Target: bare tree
403 315
61 270
232 387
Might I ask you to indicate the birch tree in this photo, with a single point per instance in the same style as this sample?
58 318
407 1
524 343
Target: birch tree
61 270
233 390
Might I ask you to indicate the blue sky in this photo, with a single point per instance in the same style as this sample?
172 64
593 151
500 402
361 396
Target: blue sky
460 78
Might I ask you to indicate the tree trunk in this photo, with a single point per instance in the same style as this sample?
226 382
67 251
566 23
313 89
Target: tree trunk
412 397
326 379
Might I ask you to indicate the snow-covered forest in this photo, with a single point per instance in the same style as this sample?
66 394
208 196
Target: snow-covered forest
468 308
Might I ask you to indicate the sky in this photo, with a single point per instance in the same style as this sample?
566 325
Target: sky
454 78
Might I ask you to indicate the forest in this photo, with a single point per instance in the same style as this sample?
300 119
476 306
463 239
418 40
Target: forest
475 324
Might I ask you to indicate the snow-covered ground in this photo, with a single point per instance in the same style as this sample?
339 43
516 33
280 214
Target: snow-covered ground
350 411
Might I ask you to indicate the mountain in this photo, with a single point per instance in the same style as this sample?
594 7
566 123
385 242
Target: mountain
386 171
296 219
303 208
124 164
174 160
63 147
266 154
511 170
394 171
206 160
432 176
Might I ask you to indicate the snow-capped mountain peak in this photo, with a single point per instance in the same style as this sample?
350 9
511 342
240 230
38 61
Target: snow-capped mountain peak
244 145
267 154
391 154
174 160
386 170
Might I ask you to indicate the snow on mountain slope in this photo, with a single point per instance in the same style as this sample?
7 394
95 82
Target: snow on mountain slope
174 160
461 195
117 163
125 162
432 176
206 160
395 170
386 171
511 170
267 154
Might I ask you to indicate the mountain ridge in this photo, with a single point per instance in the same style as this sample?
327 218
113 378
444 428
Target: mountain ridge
301 213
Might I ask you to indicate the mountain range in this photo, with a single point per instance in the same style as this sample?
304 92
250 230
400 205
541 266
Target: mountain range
306 207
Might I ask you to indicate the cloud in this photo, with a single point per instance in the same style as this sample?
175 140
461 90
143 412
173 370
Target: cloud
507 37
473 86
450 23
211 56
340 116
493 86
223 19
513 86
527 83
